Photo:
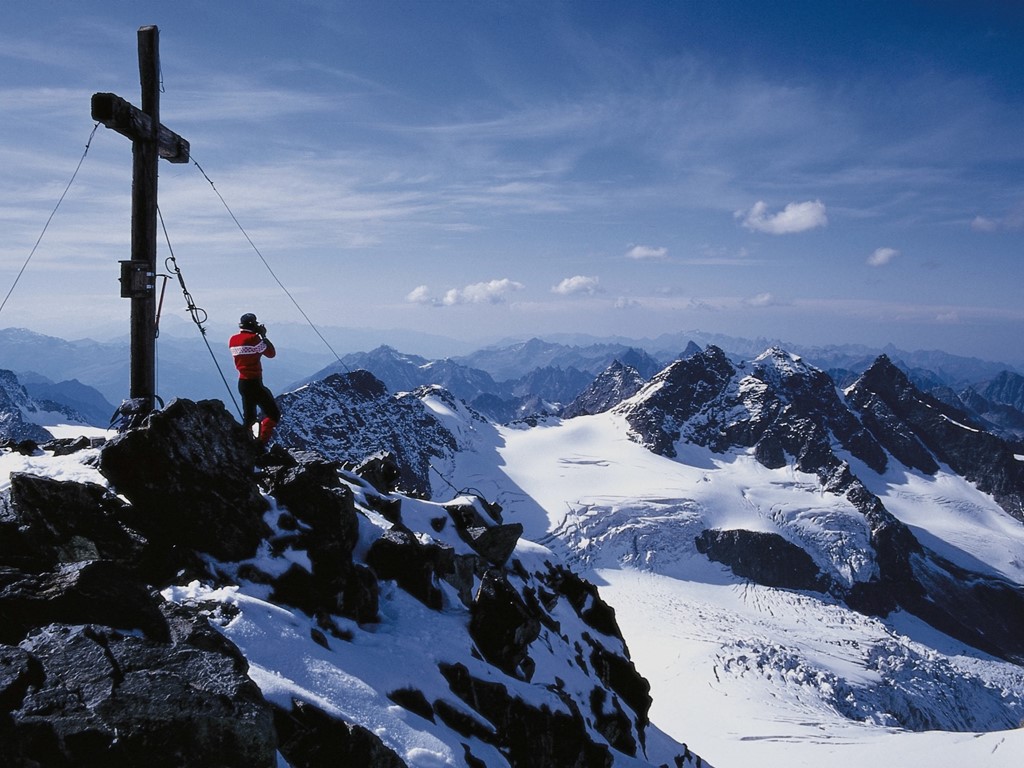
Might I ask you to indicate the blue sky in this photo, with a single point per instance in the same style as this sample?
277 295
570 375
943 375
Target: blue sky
813 172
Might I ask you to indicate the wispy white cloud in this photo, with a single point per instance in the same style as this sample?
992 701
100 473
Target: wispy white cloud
1014 220
984 224
577 284
882 256
795 217
644 252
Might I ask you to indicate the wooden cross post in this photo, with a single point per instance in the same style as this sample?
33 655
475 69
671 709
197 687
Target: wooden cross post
150 141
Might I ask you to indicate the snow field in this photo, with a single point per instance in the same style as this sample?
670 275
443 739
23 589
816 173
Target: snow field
753 676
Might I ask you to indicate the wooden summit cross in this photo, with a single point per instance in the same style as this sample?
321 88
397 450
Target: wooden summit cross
150 142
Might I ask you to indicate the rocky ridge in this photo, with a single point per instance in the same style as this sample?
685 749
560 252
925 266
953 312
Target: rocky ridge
613 385
785 411
348 417
15 408
536 378
119 599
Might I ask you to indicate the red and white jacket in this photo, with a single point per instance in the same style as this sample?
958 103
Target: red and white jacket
246 348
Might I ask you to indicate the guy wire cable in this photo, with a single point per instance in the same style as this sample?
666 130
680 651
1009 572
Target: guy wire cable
198 314
267 264
48 220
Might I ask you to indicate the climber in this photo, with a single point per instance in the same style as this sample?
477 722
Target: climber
247 346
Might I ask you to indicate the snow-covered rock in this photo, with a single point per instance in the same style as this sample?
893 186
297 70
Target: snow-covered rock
347 417
16 412
613 385
381 628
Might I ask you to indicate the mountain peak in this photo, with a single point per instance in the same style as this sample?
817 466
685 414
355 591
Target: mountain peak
615 384
777 365
17 410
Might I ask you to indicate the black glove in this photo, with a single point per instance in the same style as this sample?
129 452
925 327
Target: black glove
261 330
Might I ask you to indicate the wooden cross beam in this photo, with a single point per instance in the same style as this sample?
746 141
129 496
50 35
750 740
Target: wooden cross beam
150 141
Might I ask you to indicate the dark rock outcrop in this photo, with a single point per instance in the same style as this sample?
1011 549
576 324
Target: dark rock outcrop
381 470
765 558
311 738
188 475
88 526
791 414
96 667
100 591
534 737
501 624
891 405
676 395
87 695
979 609
782 407
14 404
398 555
323 523
611 387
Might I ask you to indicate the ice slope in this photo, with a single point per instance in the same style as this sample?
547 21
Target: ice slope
766 677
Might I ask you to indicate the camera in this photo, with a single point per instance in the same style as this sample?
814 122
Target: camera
261 329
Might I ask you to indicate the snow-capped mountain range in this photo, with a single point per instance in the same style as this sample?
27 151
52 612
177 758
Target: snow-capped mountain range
877 509
514 379
809 568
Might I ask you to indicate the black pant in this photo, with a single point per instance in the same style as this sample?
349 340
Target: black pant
254 395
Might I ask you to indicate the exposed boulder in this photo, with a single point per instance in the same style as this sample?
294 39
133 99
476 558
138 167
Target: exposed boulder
122 701
188 474
66 446
494 543
19 671
416 566
99 591
380 470
312 491
321 520
44 522
585 600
